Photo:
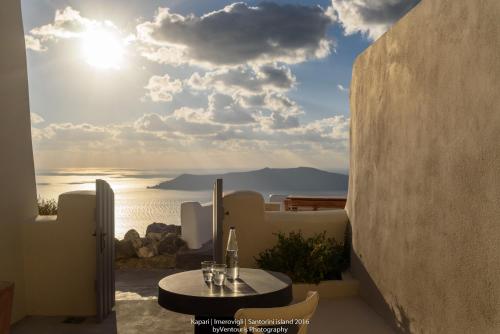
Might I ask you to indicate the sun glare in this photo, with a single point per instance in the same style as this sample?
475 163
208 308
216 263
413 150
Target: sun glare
103 49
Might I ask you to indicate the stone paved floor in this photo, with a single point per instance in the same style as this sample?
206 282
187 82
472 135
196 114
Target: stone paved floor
137 312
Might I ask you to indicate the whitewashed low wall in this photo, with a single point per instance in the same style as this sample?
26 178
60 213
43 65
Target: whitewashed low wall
196 224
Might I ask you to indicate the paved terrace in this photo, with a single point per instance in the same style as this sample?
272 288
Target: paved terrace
137 312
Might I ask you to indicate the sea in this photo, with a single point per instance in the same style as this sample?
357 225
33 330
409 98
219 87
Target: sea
136 205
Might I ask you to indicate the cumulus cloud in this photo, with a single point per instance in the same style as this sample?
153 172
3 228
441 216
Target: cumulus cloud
36 119
277 110
190 132
78 132
281 103
280 121
330 129
329 133
238 34
183 122
34 44
71 136
342 89
245 79
245 53
68 24
164 55
226 110
369 17
247 94
162 88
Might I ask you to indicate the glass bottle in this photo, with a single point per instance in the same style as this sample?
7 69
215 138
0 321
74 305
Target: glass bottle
233 271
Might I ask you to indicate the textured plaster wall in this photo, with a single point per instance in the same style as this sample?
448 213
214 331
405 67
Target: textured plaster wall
17 177
60 259
424 194
256 228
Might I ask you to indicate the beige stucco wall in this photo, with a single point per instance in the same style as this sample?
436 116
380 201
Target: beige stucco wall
256 228
52 262
60 259
424 193
17 178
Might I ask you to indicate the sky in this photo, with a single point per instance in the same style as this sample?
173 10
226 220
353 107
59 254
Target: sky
182 84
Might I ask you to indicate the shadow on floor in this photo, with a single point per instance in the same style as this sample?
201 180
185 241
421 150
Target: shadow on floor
136 284
395 316
137 312
56 325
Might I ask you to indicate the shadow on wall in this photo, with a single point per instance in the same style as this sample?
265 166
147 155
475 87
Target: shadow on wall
396 316
402 319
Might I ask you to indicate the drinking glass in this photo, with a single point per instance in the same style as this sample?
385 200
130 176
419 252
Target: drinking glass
206 268
219 274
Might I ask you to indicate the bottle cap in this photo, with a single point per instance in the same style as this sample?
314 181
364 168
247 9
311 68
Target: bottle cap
232 228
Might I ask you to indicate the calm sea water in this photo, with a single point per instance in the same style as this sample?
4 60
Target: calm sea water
136 206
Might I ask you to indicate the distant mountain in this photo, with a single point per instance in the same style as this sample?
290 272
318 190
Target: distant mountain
267 179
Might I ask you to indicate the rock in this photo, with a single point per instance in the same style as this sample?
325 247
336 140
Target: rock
146 251
131 235
160 239
156 262
134 237
163 228
124 249
170 244
155 236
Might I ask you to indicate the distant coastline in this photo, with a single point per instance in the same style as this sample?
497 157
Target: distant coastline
136 206
266 179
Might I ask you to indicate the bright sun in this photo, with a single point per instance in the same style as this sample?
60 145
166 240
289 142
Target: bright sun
103 49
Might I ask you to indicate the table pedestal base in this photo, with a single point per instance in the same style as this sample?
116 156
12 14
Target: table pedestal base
206 325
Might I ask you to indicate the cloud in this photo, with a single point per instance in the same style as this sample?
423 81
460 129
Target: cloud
329 129
34 44
281 103
130 133
369 17
324 134
280 121
277 111
164 55
183 122
188 137
342 89
68 24
36 119
238 34
246 94
71 136
245 79
225 109
244 54
162 89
